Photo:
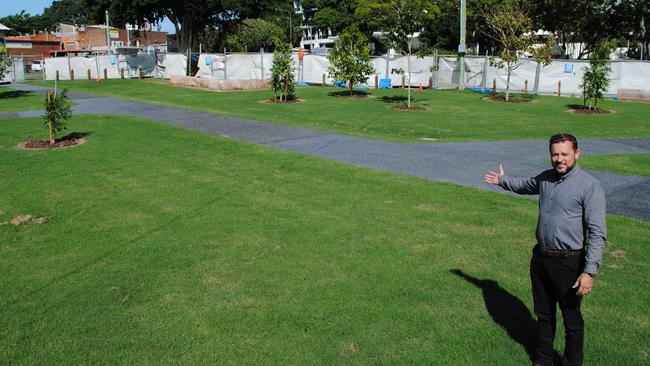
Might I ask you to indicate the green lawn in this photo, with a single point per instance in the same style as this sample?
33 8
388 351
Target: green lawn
168 246
450 115
12 100
631 164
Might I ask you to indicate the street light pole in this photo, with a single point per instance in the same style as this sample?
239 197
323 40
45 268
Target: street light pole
290 25
461 46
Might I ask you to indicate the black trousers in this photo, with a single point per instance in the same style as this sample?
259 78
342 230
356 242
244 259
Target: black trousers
552 278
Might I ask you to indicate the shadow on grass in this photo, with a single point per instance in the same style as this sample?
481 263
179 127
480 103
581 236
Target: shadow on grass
14 94
398 99
507 311
346 93
74 136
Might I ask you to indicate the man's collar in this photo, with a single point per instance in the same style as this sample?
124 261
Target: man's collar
563 177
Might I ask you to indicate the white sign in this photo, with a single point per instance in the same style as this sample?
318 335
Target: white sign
18 45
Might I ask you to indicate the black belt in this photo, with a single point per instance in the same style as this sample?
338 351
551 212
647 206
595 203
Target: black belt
560 253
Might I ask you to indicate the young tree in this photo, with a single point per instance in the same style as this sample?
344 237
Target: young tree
5 62
512 29
595 80
282 77
400 20
58 109
350 58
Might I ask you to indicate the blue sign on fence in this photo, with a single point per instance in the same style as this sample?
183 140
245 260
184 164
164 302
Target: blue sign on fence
113 60
568 68
208 60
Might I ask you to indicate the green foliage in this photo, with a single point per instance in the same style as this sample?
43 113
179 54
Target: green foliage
331 14
400 20
58 109
282 76
5 62
512 29
350 58
254 34
595 79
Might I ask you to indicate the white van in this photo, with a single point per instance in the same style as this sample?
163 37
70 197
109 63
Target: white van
37 65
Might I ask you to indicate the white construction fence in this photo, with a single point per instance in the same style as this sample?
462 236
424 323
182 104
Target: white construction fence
16 72
158 65
437 71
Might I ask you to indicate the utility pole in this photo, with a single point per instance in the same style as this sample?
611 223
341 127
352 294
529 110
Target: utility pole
461 46
108 35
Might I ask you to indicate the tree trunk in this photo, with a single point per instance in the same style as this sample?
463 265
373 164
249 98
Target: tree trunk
186 38
508 84
408 66
350 85
49 121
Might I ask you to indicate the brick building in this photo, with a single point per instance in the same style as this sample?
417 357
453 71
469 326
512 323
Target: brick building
35 46
93 37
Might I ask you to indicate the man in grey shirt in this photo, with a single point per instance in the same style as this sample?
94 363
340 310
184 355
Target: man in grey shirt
571 233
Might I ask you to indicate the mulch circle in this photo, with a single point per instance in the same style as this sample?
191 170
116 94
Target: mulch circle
273 101
579 109
510 100
45 144
407 108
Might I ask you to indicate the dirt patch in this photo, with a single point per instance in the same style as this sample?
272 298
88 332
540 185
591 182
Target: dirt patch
24 219
407 108
21 219
618 254
502 99
580 109
273 101
45 144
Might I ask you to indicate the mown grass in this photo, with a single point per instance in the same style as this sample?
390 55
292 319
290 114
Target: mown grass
168 246
450 115
12 100
630 164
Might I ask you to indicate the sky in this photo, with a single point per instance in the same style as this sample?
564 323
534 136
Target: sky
35 7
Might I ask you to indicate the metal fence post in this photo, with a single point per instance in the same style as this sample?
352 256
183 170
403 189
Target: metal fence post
485 70
262 62
225 65
538 70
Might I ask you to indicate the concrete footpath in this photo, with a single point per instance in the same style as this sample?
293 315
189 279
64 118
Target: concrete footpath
462 163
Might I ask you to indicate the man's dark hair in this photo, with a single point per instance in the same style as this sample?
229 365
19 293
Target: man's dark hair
563 137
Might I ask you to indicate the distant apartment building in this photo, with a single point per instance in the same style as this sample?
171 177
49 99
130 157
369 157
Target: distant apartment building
312 38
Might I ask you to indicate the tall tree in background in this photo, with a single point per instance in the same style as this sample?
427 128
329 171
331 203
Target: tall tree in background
188 17
590 22
253 34
331 14
443 33
400 20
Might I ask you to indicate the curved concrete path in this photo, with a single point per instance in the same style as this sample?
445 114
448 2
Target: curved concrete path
462 163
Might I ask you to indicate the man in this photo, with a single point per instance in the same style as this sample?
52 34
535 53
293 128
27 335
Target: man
571 232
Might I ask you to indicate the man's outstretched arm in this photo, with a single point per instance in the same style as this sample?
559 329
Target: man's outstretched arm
517 185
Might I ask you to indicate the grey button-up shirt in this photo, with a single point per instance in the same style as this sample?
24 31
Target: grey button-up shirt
571 212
